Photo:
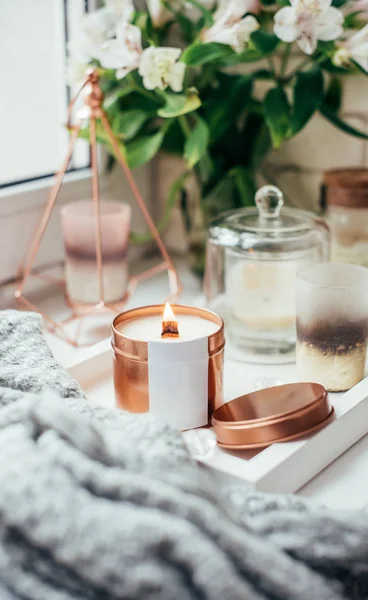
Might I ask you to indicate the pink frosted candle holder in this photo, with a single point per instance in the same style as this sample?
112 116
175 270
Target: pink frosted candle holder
79 232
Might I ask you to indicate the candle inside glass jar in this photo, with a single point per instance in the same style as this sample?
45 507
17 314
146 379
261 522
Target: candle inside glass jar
261 296
151 328
78 222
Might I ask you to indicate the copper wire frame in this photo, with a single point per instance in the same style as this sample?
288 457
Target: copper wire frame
93 111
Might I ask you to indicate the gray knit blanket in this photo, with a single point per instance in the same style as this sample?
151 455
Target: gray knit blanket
103 505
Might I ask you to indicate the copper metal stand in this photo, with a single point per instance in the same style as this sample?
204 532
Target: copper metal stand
93 111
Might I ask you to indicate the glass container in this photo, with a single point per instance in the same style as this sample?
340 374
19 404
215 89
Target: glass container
332 325
345 192
79 233
253 255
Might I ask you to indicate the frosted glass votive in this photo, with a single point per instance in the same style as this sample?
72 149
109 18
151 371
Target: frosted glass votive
79 232
332 325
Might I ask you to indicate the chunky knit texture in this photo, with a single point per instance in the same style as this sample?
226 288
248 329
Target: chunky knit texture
103 505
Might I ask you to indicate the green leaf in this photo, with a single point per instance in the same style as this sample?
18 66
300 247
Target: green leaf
255 107
106 75
179 104
261 146
196 143
220 197
327 48
241 93
308 96
227 103
351 20
114 96
143 149
174 139
201 54
277 112
245 185
264 42
333 96
247 56
263 74
129 122
331 116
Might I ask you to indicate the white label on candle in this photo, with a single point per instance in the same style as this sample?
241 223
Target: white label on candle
178 382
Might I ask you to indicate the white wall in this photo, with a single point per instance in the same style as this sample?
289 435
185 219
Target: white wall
298 165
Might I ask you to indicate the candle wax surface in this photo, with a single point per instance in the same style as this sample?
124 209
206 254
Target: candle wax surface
148 329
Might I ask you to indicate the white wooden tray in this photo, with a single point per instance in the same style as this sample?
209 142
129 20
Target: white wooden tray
279 468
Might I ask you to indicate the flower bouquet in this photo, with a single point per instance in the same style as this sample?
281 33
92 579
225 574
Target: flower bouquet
183 76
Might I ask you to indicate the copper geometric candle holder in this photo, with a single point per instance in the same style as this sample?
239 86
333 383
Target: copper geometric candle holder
93 111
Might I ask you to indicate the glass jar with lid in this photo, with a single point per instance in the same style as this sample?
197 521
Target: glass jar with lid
253 255
345 192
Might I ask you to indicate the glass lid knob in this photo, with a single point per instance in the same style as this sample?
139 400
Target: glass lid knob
269 201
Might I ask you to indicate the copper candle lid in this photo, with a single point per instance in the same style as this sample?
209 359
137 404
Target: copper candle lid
276 414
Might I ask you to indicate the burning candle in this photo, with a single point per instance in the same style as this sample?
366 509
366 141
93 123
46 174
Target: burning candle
169 361
154 326
169 323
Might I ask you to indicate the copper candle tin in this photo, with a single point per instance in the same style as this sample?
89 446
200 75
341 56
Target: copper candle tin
131 359
276 414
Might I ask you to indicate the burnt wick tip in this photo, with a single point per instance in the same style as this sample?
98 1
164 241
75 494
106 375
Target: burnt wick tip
170 329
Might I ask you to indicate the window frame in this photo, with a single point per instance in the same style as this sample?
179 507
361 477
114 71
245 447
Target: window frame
21 202
21 206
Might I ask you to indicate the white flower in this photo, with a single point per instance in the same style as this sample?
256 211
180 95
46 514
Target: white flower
75 72
355 48
235 36
124 52
230 12
105 35
307 21
121 10
229 26
159 13
95 29
99 26
160 69
94 38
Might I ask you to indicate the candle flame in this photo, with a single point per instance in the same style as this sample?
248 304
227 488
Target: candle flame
168 313
169 323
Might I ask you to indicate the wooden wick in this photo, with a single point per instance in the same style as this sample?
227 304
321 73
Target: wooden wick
170 329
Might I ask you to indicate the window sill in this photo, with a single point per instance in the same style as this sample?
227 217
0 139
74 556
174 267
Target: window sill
21 208
50 300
